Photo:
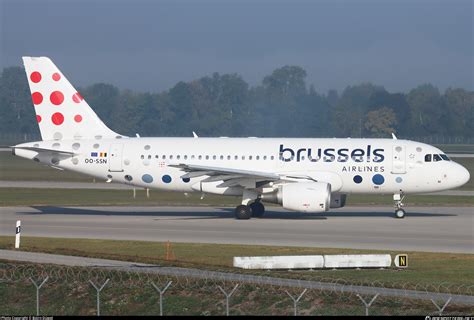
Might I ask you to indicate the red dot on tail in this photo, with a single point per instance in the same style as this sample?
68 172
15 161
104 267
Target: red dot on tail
57 118
77 98
35 77
56 76
56 97
38 118
37 97
78 118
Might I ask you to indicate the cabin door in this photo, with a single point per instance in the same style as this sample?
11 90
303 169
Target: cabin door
398 159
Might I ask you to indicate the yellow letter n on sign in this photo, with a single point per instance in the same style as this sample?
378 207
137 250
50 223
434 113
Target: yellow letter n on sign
401 260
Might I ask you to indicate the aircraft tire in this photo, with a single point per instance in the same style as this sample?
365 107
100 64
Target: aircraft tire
399 213
243 212
258 209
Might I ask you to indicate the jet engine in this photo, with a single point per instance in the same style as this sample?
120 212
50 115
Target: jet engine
308 197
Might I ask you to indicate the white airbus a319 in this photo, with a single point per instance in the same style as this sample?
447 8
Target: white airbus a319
305 175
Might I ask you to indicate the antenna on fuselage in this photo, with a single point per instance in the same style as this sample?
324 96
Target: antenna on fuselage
195 135
138 136
394 136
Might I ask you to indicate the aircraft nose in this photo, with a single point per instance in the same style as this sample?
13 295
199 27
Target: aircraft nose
462 175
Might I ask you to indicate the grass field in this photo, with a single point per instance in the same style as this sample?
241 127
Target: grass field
455 271
20 169
92 197
100 197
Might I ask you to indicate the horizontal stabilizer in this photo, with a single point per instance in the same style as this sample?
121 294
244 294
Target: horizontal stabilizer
37 149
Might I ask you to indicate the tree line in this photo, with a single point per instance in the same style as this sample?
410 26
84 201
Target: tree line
281 105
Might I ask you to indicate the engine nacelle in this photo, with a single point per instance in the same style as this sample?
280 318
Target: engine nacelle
338 200
305 197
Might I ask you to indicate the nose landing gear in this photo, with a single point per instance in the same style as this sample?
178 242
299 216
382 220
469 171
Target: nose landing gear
399 212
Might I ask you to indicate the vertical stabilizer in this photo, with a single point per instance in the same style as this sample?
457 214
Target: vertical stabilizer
61 112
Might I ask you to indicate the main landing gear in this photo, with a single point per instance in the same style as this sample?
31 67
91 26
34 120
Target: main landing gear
399 212
256 210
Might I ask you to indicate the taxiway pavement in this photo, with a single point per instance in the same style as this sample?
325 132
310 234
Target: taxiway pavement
433 229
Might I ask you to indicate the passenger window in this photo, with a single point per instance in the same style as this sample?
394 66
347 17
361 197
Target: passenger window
264 157
243 157
228 157
163 157
177 157
428 158
222 157
236 157
171 156
207 157
200 157
272 158
185 157
257 157
142 156
436 157
250 157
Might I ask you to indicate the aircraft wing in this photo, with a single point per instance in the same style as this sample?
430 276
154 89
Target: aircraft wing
233 177
197 170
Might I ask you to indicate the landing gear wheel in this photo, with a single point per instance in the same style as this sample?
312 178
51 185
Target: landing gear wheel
243 212
257 209
400 213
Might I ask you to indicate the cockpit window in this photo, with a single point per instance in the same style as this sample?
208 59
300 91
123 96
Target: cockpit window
444 157
436 157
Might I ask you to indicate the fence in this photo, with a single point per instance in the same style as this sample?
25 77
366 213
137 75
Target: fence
45 289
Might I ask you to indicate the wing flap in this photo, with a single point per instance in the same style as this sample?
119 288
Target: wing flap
222 177
213 171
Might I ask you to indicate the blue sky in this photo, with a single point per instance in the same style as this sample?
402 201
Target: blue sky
150 45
